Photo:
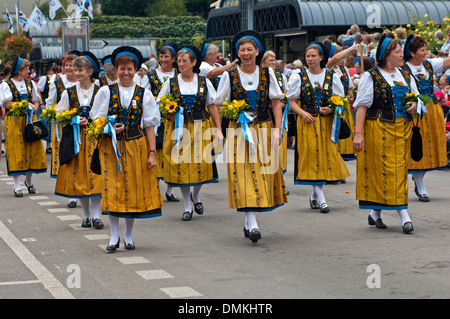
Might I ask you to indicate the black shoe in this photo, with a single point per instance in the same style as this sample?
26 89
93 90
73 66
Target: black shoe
86 223
407 227
49 150
31 189
72 203
254 235
129 246
172 198
112 248
198 207
187 216
377 223
97 223
246 232
343 181
324 208
422 197
18 193
314 204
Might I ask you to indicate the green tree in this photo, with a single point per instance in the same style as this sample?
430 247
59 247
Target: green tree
199 7
170 8
133 8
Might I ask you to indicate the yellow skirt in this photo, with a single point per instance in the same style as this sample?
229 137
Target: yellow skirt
382 166
317 160
134 192
434 141
55 150
193 165
255 182
22 157
345 147
75 179
283 152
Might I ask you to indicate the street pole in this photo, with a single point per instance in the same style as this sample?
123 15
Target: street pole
246 14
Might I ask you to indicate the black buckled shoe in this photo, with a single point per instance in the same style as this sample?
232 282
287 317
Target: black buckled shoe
97 223
314 204
72 203
129 246
422 197
408 227
324 209
187 216
31 189
254 235
198 207
18 193
377 223
172 198
112 248
86 223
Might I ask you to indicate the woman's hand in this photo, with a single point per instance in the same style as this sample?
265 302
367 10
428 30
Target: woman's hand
119 127
413 107
307 117
84 121
219 136
325 110
358 142
276 137
151 161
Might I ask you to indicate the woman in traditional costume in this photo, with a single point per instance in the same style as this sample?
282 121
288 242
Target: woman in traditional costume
157 78
383 135
432 123
56 88
255 180
22 157
317 159
75 178
127 157
110 76
188 159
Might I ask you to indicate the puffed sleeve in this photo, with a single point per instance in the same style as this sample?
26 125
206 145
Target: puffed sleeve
145 83
6 93
274 89
224 90
35 92
63 104
211 98
41 83
364 97
101 103
338 88
150 111
294 89
51 99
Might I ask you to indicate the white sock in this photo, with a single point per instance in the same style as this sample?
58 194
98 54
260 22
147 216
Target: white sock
169 190
318 190
404 216
85 204
114 225
313 194
96 206
196 194
17 183
128 235
72 200
250 220
186 192
418 179
376 214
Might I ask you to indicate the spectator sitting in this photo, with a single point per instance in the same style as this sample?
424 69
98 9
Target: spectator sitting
349 38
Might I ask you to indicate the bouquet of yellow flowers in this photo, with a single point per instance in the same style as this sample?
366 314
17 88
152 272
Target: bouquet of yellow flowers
232 109
408 98
66 117
19 108
336 100
95 128
168 105
49 114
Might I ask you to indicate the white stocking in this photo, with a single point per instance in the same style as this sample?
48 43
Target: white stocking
114 224
128 236
186 192
250 220
418 179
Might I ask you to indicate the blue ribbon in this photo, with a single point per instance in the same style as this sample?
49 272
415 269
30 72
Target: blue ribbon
179 126
284 124
29 113
76 133
110 129
244 119
336 124
421 108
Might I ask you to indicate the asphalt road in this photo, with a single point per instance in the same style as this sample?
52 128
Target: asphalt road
46 254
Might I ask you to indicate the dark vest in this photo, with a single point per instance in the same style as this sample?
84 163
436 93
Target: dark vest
59 84
429 68
16 96
131 118
307 97
75 103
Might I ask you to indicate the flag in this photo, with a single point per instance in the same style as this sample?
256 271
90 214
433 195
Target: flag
10 22
37 19
53 6
23 21
88 8
80 8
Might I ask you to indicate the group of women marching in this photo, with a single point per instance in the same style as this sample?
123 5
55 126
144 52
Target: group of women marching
143 144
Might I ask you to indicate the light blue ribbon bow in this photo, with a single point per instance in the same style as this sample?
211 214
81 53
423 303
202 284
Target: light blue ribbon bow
284 124
336 124
421 108
244 119
76 133
29 113
110 129
179 126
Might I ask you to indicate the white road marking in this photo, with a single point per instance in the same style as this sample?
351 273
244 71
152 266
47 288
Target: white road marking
181 292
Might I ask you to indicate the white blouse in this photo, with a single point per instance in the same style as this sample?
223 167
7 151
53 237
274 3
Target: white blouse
295 84
189 88
6 93
365 86
338 71
84 98
436 63
249 82
150 111
51 99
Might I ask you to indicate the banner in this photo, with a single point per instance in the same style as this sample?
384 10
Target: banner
37 19
10 22
53 6
23 21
